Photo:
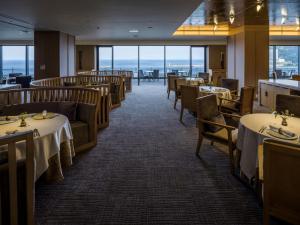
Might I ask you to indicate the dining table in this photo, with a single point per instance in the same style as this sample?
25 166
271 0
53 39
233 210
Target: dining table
254 129
53 142
194 81
219 91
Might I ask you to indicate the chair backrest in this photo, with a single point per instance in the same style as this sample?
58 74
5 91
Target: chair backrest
207 107
274 75
24 81
141 73
231 84
15 74
281 180
189 95
296 77
204 76
10 167
178 82
288 102
171 82
156 73
246 100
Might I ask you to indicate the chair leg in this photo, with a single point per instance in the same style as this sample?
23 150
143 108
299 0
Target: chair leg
266 217
181 114
231 158
168 94
175 102
200 140
211 143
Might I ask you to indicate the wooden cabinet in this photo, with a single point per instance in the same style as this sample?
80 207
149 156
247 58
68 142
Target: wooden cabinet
268 94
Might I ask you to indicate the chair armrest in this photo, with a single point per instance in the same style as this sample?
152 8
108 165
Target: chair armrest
230 115
230 100
227 127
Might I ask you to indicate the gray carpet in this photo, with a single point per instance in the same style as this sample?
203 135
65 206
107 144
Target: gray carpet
144 171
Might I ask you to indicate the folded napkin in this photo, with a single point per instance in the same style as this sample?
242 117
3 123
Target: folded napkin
281 131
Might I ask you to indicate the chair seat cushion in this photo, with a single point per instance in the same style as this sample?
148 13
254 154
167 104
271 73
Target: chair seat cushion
80 133
222 135
231 106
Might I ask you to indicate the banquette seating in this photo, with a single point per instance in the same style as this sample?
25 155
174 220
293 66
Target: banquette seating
80 105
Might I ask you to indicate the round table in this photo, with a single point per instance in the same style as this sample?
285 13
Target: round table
194 81
54 146
249 137
219 91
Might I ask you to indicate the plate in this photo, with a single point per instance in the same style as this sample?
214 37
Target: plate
3 121
39 116
277 135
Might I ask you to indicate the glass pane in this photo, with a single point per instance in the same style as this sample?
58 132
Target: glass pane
286 61
126 58
178 59
14 58
31 60
271 60
105 58
198 55
151 62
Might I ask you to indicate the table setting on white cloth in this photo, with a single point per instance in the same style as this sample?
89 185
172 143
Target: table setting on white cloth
51 130
219 91
254 128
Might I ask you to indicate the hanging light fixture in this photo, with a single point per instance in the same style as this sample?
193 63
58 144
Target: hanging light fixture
231 16
259 5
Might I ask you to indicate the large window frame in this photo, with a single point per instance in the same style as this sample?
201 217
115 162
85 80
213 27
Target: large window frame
27 57
274 62
165 46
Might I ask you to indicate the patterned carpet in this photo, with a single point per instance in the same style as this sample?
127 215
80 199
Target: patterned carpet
144 171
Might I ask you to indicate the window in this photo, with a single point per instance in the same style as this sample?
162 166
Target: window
287 60
198 60
284 60
126 58
152 61
105 58
30 61
13 59
16 59
178 59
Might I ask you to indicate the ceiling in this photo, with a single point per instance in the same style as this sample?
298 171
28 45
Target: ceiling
95 19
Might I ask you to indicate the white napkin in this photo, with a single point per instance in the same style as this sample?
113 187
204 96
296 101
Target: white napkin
282 131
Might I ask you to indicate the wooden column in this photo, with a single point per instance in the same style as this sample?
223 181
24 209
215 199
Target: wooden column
248 54
54 54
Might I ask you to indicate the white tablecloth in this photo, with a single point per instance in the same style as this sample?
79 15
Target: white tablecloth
219 91
194 81
53 133
249 137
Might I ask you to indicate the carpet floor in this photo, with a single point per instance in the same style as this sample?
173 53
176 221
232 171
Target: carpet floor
144 171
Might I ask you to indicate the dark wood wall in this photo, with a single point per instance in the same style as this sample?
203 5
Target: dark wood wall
54 54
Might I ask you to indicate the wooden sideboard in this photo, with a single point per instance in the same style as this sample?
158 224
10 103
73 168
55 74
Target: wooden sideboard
269 89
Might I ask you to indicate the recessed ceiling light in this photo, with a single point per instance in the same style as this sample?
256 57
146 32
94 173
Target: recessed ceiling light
133 31
98 28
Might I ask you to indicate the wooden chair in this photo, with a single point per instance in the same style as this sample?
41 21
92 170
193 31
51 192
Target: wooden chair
242 105
189 95
171 83
11 167
281 163
231 84
211 125
177 83
288 102
296 77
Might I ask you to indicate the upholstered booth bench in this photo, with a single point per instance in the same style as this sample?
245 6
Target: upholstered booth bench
81 106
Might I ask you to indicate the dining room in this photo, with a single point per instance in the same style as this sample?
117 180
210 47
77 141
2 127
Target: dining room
149 112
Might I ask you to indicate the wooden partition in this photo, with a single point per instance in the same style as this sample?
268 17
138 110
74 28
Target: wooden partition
99 96
87 81
127 75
